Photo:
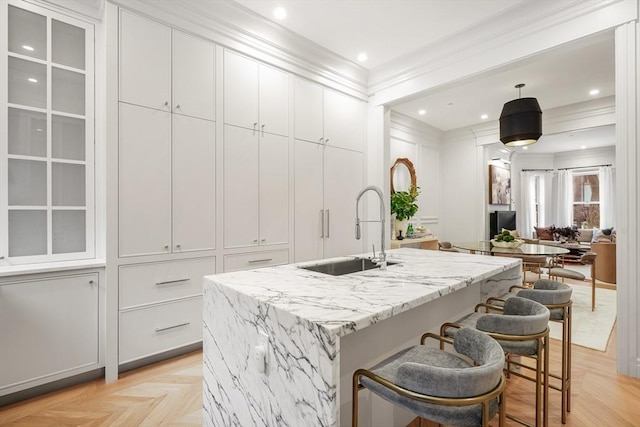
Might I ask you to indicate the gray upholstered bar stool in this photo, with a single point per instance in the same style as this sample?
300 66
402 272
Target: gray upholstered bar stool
438 385
556 297
522 330
588 258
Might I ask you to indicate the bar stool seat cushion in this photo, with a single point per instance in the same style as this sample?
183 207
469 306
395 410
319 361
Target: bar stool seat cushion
434 372
520 317
546 292
567 274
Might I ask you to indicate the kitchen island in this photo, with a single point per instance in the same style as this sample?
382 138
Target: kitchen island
281 343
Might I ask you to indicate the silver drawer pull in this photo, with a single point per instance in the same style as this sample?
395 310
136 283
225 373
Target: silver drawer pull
168 282
260 260
172 327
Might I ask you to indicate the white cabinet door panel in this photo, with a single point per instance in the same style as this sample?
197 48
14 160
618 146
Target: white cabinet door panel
193 76
274 189
48 327
308 122
144 175
240 91
274 101
308 201
240 187
342 183
344 121
145 62
193 184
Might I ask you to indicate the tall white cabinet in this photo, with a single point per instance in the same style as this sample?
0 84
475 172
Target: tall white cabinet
166 180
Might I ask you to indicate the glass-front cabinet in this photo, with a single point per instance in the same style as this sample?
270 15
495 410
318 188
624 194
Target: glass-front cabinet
46 136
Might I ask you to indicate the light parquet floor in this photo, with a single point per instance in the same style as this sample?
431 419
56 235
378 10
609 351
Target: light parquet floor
170 394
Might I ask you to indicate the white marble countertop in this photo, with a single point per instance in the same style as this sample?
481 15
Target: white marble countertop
344 304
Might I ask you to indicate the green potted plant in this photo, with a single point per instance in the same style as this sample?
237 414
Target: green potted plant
404 207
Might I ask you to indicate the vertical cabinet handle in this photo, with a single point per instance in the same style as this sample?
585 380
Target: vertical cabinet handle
328 224
262 129
255 124
322 223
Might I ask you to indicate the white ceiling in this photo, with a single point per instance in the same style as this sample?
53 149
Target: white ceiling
389 29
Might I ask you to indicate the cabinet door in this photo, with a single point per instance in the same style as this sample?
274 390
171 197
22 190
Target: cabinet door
308 201
344 121
193 76
240 91
274 101
308 122
342 183
193 184
47 327
274 189
144 175
145 62
240 187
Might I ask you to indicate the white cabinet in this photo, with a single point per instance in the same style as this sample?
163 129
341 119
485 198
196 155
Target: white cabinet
327 181
166 195
256 188
328 117
160 306
49 329
255 95
165 69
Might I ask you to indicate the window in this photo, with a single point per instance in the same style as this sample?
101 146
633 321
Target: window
46 144
586 199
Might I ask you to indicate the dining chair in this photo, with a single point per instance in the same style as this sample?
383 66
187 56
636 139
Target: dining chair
588 258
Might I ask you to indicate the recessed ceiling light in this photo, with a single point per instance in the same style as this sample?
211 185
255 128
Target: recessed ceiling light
280 13
583 147
484 116
594 92
32 80
422 112
29 48
525 148
362 57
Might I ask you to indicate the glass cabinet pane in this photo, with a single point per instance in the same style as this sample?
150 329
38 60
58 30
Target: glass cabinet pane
67 91
27 83
67 138
68 184
69 231
27 33
27 133
27 232
67 44
27 183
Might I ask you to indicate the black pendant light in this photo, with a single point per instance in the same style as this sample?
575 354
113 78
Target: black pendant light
520 121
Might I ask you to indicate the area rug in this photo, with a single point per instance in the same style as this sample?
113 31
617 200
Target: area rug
590 329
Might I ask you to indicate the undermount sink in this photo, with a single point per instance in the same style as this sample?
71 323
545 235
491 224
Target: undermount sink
338 268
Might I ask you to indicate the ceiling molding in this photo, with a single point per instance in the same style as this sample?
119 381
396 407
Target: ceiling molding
231 25
93 9
408 129
495 42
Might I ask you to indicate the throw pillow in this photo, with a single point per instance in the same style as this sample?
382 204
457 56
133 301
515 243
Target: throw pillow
602 235
544 233
513 233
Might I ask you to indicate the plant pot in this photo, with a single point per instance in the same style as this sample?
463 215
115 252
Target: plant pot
400 225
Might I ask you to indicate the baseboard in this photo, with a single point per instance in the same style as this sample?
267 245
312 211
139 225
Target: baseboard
159 357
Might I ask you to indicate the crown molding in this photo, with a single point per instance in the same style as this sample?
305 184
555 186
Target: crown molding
234 26
408 129
521 31
92 9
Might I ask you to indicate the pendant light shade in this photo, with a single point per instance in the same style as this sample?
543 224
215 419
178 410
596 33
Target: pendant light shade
520 121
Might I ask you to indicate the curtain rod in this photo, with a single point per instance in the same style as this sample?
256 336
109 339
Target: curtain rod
537 170
583 167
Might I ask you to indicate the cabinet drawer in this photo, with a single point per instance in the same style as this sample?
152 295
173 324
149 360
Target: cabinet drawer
151 330
162 281
255 260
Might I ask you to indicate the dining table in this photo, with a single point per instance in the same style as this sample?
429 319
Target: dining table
487 247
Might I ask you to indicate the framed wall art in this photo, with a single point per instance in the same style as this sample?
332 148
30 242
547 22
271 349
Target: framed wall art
499 185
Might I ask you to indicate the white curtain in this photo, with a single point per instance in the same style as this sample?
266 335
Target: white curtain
527 202
564 200
607 197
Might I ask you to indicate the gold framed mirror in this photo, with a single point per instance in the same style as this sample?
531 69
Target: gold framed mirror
400 175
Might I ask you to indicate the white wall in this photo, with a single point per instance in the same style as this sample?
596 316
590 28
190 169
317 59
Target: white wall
420 144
